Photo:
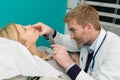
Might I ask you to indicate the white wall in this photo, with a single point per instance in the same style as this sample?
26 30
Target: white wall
70 5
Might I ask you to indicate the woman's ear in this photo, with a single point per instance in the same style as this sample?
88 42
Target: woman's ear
25 43
27 46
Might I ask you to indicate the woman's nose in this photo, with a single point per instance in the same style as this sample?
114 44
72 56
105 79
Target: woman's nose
28 26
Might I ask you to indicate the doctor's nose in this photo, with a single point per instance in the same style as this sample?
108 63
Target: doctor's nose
71 35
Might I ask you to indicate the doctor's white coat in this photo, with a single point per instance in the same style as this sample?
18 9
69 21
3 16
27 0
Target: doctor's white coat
107 60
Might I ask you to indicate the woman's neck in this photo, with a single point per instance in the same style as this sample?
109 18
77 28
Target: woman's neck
34 51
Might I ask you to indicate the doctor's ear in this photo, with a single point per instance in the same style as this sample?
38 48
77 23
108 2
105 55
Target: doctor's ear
89 27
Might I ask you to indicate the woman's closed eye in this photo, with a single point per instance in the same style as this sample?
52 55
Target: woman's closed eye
24 28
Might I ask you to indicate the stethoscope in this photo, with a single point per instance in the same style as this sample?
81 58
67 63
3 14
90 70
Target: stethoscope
93 58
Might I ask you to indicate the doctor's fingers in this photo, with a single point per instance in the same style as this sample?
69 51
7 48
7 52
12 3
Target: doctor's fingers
42 28
39 24
57 46
56 51
60 51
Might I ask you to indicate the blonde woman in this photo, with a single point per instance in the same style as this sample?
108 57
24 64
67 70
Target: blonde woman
26 35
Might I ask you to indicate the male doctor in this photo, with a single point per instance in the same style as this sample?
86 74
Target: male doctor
88 37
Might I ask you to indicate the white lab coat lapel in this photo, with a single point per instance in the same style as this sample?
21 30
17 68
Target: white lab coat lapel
83 57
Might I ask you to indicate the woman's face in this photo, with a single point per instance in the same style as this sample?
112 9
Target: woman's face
28 33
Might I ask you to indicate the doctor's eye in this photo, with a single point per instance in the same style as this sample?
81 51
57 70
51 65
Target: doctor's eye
72 30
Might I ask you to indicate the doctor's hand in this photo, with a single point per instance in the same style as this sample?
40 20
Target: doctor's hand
43 29
61 55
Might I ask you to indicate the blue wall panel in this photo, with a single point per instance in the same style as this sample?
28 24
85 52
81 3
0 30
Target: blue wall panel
27 12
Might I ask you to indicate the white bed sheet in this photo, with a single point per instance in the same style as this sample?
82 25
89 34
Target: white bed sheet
16 60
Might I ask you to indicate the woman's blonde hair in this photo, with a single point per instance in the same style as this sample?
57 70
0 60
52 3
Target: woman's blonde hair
10 32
